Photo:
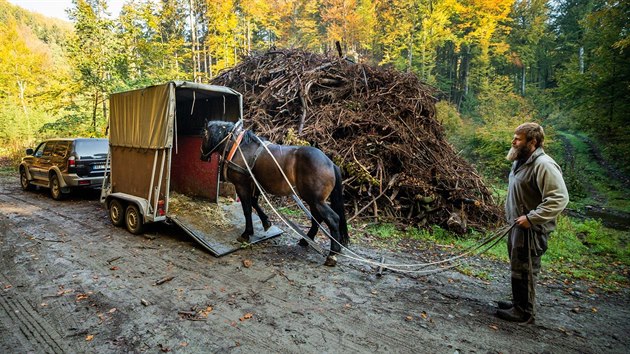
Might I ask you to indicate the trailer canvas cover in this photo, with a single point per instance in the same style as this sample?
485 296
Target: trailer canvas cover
143 118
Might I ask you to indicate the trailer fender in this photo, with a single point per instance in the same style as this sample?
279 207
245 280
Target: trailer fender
141 203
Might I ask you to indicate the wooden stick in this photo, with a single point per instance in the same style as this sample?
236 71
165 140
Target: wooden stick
164 280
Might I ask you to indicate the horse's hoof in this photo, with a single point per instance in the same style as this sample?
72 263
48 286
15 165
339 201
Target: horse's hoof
242 238
331 261
303 242
266 225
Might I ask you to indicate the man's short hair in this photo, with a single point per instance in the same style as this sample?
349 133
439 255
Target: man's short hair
532 131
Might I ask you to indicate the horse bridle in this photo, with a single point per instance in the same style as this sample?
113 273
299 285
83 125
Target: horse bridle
238 126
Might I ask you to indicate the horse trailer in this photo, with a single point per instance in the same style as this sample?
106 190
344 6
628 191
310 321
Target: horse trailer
155 136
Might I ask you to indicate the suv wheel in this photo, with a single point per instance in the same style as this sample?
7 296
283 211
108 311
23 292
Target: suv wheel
116 212
55 187
133 218
26 185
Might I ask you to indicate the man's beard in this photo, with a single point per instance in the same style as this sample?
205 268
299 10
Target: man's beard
516 153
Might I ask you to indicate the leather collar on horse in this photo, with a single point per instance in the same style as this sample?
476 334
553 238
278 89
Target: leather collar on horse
236 142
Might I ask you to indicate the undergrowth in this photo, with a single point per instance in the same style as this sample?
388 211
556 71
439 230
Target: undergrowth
579 250
588 182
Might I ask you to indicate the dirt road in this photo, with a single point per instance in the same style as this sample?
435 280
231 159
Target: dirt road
73 283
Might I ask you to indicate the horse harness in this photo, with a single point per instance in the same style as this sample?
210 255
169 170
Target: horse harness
230 155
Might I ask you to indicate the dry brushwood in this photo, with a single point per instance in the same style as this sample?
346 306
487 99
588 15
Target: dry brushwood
377 124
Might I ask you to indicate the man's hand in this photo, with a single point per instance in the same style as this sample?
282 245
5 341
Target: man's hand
523 222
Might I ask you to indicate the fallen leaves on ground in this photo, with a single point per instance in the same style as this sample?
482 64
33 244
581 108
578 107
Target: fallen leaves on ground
247 316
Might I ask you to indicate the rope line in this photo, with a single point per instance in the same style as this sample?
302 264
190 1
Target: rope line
488 242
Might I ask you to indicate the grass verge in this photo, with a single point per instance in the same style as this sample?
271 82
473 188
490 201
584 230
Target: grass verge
578 250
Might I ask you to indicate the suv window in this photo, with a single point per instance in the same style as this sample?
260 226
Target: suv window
92 149
61 149
40 150
49 148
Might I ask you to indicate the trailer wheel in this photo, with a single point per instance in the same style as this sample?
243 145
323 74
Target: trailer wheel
134 221
117 212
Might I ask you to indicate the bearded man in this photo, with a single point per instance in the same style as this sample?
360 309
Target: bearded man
536 196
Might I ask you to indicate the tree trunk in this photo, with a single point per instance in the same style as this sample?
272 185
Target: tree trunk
22 88
193 38
94 109
105 108
410 55
523 72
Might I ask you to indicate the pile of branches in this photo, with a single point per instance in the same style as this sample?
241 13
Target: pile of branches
377 124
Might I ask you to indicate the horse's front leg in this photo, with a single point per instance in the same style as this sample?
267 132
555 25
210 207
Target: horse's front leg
264 219
246 204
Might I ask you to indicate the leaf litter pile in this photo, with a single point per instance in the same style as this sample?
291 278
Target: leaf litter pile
377 124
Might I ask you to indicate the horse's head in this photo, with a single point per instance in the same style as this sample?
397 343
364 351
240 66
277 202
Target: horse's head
215 135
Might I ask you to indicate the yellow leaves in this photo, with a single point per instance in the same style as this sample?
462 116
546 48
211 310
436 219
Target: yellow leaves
204 313
89 337
246 316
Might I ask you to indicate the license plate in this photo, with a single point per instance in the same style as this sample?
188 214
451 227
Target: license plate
98 167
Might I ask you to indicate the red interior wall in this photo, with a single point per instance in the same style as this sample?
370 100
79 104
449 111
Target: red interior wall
190 175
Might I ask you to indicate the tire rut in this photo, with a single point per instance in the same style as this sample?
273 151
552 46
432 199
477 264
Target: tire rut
34 330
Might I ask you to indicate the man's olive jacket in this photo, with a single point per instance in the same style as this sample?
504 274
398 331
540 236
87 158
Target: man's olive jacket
536 189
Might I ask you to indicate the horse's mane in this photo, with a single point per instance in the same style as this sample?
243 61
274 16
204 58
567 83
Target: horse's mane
248 137
251 137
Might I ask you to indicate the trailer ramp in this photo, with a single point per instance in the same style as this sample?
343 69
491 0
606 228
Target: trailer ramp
222 241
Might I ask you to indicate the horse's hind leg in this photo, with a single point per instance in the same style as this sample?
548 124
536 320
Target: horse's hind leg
264 219
316 220
332 220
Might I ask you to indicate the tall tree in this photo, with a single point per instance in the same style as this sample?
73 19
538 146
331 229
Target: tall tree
94 51
222 38
529 32
594 88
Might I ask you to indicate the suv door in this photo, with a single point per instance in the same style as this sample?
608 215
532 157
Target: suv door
42 161
59 155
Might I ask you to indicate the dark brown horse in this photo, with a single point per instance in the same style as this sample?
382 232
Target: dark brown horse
313 176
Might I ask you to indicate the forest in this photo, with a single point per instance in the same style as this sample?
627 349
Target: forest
494 63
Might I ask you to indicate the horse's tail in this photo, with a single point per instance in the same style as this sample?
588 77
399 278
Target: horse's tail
336 203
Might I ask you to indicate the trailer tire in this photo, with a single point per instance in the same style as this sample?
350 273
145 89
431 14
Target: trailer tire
117 212
133 219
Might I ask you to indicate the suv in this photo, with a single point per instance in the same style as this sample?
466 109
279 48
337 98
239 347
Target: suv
62 164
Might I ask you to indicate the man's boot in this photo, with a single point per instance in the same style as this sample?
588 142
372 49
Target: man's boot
506 305
521 311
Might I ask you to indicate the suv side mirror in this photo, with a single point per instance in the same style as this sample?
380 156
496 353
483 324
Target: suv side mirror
29 151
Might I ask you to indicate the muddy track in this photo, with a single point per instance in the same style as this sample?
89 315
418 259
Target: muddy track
73 283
